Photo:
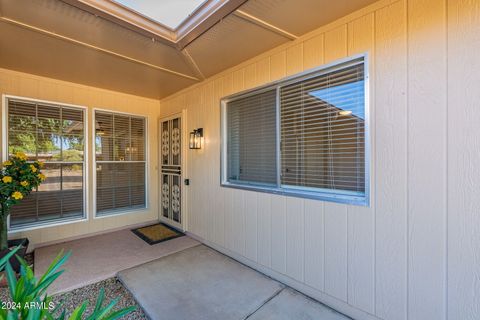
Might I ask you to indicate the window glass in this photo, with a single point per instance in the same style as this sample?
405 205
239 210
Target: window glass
323 131
251 139
120 162
53 134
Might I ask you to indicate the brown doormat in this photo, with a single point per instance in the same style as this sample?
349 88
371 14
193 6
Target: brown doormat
157 233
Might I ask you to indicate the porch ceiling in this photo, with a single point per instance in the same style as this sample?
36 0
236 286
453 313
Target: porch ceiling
69 40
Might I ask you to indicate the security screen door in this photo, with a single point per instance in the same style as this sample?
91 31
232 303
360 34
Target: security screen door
171 173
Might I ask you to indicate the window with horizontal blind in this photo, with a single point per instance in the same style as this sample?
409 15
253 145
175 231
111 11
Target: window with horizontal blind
120 142
251 132
303 136
54 134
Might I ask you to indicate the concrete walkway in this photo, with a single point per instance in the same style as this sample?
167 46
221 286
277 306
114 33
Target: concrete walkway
202 284
101 257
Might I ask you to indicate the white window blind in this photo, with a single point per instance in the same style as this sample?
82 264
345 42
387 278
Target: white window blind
251 139
53 134
323 131
120 142
303 136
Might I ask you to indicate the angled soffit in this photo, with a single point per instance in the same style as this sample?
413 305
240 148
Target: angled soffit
32 52
217 44
104 44
301 16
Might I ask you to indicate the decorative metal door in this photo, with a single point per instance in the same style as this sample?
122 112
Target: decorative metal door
171 175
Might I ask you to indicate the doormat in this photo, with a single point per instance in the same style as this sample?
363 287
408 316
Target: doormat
157 233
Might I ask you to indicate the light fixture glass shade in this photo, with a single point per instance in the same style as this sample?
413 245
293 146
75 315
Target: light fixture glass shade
191 143
196 139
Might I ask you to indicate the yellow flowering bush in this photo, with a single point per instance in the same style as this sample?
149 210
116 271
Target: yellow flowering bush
7 179
20 156
17 195
17 179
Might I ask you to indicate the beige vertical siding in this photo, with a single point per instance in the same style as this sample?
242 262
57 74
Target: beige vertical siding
426 145
30 86
414 253
391 162
463 159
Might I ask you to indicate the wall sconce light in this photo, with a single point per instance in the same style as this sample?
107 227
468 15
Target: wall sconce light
196 139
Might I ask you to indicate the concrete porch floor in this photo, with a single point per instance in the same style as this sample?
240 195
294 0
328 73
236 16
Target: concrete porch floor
180 279
202 284
101 257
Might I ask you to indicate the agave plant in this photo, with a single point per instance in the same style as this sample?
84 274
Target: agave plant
31 301
4 259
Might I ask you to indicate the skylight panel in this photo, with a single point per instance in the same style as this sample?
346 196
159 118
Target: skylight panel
170 13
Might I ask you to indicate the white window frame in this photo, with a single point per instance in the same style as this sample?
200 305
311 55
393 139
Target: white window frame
121 211
40 225
301 192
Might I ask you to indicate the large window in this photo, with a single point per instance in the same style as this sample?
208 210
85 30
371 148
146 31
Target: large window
54 134
120 162
304 136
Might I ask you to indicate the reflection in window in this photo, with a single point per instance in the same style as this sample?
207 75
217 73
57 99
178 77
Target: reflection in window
323 132
53 134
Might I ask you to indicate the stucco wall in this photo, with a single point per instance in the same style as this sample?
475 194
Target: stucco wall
414 253
34 87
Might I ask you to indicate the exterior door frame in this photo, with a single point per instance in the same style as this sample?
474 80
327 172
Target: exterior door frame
182 226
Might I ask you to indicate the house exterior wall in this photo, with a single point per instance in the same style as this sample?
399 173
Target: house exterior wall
414 253
35 87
